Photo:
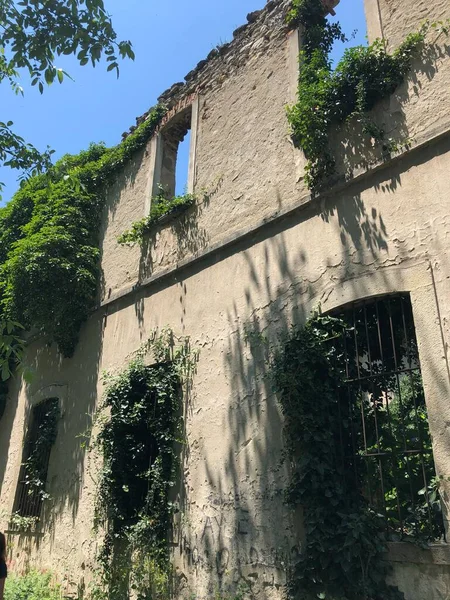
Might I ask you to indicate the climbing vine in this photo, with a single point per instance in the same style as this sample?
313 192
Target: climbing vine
342 556
12 347
36 463
327 97
139 441
49 241
161 206
333 430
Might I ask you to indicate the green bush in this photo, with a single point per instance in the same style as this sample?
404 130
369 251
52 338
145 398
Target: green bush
32 586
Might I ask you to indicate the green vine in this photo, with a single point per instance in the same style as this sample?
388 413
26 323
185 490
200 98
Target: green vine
36 463
161 206
139 442
49 240
342 554
17 522
12 349
327 97
342 557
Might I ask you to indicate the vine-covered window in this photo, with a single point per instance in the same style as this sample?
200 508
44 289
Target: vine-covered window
31 489
385 443
139 445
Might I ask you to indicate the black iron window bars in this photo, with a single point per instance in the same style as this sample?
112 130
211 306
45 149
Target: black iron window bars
384 438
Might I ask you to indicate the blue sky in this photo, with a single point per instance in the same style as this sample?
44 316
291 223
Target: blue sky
169 38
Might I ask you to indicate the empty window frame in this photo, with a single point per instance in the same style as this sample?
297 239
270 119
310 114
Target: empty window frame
172 176
36 455
384 434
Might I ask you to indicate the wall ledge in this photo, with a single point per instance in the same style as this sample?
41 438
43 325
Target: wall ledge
215 250
407 552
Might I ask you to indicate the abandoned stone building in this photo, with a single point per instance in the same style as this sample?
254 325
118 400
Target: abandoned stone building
256 253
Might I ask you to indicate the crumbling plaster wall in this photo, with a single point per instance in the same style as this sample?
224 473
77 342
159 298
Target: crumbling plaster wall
247 167
388 231
245 160
419 109
234 524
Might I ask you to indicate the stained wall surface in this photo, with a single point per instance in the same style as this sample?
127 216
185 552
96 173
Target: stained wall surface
256 254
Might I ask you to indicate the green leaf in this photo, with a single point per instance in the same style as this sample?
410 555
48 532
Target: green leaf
49 76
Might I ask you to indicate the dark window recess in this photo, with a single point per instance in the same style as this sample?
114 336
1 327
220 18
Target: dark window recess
33 472
172 137
385 443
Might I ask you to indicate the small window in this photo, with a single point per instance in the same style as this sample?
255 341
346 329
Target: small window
40 438
175 150
384 433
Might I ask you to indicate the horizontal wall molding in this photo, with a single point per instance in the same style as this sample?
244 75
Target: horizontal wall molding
406 552
434 137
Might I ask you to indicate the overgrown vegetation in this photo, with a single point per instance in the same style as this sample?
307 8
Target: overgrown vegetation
36 463
342 554
161 206
49 242
12 348
139 441
17 522
347 526
32 35
32 586
327 97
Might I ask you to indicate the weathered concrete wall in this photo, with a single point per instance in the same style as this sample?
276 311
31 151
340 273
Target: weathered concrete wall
416 112
387 231
244 154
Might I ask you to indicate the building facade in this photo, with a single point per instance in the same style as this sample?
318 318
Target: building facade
256 254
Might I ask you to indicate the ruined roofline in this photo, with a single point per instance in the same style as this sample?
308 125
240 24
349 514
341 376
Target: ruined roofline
261 27
209 70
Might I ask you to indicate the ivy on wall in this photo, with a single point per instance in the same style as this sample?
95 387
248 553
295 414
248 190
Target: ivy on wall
49 241
139 442
12 348
327 97
36 463
342 555
161 206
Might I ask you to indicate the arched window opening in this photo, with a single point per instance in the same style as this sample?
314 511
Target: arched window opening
41 435
384 432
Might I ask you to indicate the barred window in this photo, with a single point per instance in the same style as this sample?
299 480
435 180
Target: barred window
384 433
41 435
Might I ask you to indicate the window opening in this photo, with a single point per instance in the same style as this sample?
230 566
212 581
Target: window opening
384 433
36 457
353 22
182 165
175 139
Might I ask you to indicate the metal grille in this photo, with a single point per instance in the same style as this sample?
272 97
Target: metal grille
384 435
28 501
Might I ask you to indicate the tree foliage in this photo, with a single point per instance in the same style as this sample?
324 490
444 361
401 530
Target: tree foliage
33 33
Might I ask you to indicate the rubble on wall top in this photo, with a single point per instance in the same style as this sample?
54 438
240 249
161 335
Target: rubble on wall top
222 53
172 95
330 5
